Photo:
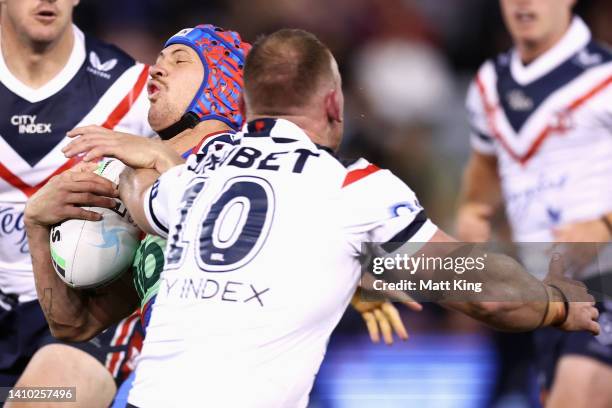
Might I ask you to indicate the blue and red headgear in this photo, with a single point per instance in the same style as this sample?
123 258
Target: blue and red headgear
222 54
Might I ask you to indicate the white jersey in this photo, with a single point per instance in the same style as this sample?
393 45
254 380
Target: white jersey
261 262
550 126
100 85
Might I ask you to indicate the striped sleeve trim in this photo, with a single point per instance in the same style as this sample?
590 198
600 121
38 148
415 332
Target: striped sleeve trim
356 175
156 224
483 144
421 229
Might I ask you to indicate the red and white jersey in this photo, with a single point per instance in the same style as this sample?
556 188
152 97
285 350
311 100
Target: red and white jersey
550 125
264 240
100 85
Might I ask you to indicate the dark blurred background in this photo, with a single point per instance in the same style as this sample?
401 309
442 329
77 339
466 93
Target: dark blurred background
406 66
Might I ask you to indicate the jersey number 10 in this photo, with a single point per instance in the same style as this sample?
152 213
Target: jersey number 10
232 231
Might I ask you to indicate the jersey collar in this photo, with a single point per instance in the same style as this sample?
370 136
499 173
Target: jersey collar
576 38
75 61
280 130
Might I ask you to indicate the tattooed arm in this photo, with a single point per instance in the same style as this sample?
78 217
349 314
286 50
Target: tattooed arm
72 314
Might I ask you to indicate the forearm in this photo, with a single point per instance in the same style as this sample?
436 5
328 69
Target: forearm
72 314
480 183
508 298
511 299
133 185
64 307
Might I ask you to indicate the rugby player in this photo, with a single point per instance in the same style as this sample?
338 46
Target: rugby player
177 76
542 142
265 239
52 79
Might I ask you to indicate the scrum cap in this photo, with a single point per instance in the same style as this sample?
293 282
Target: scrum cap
222 54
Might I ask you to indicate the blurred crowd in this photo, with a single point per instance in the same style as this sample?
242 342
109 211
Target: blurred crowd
406 66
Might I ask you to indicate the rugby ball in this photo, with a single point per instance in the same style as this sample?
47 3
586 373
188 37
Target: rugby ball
89 254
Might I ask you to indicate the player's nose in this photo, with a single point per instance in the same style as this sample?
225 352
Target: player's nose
157 71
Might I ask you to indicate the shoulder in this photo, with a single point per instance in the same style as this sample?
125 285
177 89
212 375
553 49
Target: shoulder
494 67
357 170
593 55
485 80
215 142
365 179
500 63
106 60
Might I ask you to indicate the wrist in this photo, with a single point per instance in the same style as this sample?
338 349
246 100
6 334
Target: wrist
32 223
167 160
558 307
37 233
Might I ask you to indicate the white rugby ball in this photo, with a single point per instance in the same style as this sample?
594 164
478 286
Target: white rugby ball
89 254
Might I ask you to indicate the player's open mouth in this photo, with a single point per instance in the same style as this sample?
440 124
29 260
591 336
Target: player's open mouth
525 16
152 90
46 15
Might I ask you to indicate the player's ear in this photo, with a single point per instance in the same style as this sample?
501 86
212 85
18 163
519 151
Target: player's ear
333 107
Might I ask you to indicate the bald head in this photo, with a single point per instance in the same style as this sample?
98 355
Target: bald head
285 71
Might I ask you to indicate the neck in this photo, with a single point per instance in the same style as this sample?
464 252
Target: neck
529 51
191 137
315 130
34 63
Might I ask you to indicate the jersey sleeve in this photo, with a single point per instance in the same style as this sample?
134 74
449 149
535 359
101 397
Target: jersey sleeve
481 139
159 200
383 209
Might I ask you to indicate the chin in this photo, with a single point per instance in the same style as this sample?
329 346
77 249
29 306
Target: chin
529 36
160 119
44 34
531 40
